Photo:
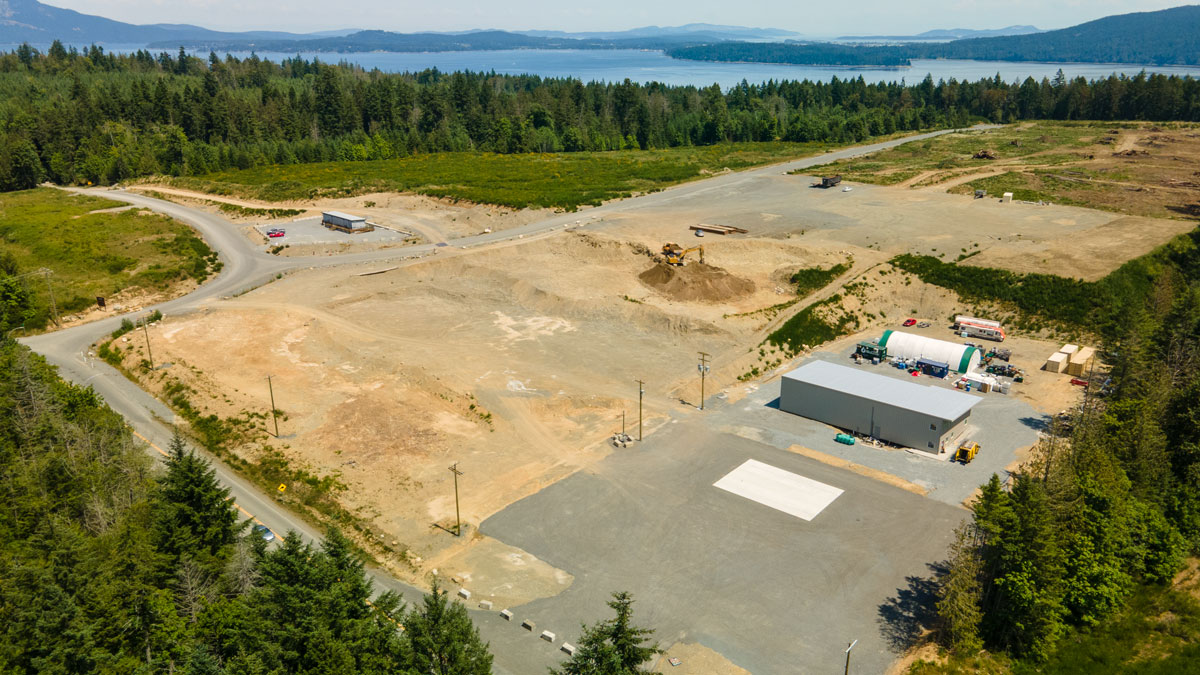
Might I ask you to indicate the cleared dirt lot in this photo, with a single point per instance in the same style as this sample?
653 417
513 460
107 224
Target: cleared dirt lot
436 220
516 361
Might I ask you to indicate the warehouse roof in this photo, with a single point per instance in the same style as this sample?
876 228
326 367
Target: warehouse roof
347 216
924 399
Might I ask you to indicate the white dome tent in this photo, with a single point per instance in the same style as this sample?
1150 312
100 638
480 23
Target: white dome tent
961 358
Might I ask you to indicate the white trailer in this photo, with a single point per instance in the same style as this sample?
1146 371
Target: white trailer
978 322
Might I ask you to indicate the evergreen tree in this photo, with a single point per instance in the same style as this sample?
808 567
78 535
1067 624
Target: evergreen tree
443 639
196 516
960 593
613 646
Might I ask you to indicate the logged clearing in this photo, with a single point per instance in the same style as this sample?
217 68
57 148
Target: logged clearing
96 247
1141 169
516 361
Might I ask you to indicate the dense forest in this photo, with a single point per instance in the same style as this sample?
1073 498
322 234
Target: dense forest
1110 502
109 564
92 116
813 54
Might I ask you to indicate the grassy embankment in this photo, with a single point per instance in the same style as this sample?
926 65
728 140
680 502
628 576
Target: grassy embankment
560 181
95 254
948 155
1071 163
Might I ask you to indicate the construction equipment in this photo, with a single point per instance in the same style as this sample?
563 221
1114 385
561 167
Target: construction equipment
674 254
966 452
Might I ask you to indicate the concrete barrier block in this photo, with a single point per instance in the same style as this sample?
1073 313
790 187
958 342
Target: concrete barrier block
486 604
548 636
528 625
464 594
507 614
568 648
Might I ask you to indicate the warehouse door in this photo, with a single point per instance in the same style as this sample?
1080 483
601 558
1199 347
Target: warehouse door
875 431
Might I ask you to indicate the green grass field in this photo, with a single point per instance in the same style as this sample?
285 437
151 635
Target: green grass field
955 151
94 254
563 181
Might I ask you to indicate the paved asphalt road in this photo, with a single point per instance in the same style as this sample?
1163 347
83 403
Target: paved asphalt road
247 266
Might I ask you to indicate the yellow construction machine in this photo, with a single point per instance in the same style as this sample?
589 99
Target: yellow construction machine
674 254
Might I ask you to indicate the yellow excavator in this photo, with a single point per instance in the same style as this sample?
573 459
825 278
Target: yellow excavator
674 254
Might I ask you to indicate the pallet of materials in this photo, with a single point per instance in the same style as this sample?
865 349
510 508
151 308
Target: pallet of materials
1081 361
718 229
1057 363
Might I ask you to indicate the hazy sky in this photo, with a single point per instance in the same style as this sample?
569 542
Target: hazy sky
809 17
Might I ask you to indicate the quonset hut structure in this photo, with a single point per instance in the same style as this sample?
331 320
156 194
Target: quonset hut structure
907 346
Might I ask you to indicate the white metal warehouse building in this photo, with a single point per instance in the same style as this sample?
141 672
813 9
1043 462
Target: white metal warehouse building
869 404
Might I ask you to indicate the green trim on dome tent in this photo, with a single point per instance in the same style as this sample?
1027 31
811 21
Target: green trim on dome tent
966 359
883 340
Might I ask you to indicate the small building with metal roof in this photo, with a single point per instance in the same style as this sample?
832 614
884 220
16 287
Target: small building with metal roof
345 222
911 414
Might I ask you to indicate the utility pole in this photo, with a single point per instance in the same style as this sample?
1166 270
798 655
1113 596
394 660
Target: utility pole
641 393
146 332
703 368
457 518
622 423
53 305
847 672
274 417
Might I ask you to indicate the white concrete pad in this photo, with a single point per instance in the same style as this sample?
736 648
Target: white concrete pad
782 490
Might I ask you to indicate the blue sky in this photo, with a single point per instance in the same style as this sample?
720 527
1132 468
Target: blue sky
816 18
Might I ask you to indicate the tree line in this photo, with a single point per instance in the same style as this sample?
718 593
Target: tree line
109 564
1110 502
90 116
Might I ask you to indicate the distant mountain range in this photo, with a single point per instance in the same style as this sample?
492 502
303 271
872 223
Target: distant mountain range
1165 37
31 21
36 23
691 31
944 34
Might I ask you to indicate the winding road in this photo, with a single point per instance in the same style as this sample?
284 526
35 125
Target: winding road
247 266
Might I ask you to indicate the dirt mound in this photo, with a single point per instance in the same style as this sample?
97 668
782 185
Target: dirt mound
695 282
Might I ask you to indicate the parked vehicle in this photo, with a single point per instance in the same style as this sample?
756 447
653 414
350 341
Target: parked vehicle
276 233
910 322
264 532
966 452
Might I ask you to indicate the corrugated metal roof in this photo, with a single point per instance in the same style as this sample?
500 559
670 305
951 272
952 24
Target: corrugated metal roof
924 399
339 214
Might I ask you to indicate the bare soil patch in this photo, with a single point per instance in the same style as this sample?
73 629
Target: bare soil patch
695 282
695 659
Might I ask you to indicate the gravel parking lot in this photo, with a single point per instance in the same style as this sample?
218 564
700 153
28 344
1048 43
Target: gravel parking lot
311 231
1000 424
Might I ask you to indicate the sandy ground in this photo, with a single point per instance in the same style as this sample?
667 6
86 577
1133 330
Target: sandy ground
517 361
695 659
435 220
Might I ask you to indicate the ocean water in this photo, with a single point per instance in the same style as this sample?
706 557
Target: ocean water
654 66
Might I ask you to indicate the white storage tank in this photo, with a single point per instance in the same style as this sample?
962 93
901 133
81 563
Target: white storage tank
961 358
